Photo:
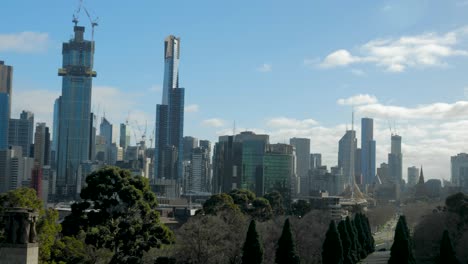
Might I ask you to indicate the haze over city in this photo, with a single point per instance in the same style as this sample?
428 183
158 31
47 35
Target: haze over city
272 67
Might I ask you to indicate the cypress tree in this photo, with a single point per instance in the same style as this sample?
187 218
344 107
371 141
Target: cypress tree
401 251
359 237
252 252
355 247
370 236
447 254
286 251
361 234
332 250
345 243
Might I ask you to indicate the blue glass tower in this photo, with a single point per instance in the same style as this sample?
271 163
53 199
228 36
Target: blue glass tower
4 119
367 150
169 149
75 108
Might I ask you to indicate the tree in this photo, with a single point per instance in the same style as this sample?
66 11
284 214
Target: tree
361 234
23 197
371 241
117 213
361 252
48 229
276 202
286 251
346 243
332 250
242 198
447 254
355 246
219 202
261 209
400 251
300 208
252 252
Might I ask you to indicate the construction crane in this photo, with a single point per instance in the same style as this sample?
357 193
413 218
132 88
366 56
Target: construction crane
94 22
76 15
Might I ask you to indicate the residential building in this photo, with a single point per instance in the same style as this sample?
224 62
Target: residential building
6 82
75 111
302 146
21 132
11 168
42 145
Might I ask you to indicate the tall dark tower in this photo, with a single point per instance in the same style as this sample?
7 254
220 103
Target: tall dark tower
169 149
75 111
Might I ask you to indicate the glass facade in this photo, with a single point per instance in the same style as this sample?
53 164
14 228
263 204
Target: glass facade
367 150
278 169
75 109
4 119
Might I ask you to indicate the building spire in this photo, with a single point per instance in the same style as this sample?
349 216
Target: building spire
421 176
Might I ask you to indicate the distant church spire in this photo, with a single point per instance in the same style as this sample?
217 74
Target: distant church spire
421 176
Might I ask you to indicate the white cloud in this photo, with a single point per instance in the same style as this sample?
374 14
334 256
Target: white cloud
191 108
360 99
28 100
24 42
265 68
155 88
291 122
396 55
213 122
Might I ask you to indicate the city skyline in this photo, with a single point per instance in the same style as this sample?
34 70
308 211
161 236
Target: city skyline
426 111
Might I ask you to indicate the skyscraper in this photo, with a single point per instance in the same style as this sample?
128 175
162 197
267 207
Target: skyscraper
199 179
395 160
315 160
105 130
21 132
124 141
279 169
6 81
42 145
75 110
169 150
227 164
413 175
459 171
346 151
302 146
189 144
4 120
367 150
55 133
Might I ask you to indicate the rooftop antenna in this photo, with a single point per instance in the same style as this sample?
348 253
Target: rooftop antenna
234 128
352 119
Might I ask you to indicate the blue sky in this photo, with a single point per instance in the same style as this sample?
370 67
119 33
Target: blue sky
278 67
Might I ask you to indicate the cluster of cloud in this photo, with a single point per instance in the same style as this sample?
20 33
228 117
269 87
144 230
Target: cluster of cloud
214 122
24 42
396 55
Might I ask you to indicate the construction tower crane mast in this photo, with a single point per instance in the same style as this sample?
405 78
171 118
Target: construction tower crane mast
93 21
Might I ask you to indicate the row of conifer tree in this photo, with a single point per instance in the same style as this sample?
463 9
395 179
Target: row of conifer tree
348 243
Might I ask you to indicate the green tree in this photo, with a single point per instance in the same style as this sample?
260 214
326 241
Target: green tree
400 251
360 246
355 246
117 213
219 202
371 241
261 209
286 250
242 198
300 208
346 243
276 202
48 229
363 237
332 250
252 252
22 197
447 253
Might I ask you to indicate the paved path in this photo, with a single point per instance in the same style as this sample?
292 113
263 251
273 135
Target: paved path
379 257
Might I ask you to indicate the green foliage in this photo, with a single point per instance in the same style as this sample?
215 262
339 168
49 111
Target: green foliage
362 235
48 229
165 260
401 251
361 253
356 247
332 250
458 203
252 252
371 241
286 250
300 208
23 197
219 202
117 213
447 253
276 202
346 243
70 250
242 198
261 209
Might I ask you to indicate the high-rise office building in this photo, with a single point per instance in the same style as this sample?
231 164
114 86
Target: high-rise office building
253 150
169 150
413 175
75 110
42 145
357 167
302 146
6 82
124 141
346 151
4 120
279 169
315 161
459 171
11 168
21 132
105 130
92 137
189 144
227 165
55 133
395 160
367 150
199 177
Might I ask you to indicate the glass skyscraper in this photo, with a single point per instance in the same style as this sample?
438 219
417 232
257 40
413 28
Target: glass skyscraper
4 119
346 152
367 150
75 110
169 146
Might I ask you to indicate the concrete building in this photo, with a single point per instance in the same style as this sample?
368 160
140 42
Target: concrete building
75 111
169 151
21 132
459 171
367 150
413 176
199 180
302 146
189 144
11 168
315 160
395 160
42 145
346 151
279 169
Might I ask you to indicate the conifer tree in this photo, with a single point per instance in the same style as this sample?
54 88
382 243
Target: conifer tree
447 254
286 251
252 252
345 243
355 246
361 248
401 251
332 250
369 233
